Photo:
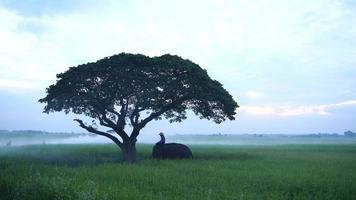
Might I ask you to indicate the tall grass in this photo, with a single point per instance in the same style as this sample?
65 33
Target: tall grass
215 172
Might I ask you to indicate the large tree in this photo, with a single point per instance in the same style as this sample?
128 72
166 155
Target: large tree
133 89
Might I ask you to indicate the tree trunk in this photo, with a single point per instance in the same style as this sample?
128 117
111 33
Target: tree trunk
129 151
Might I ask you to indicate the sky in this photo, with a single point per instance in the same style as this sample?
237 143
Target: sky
290 65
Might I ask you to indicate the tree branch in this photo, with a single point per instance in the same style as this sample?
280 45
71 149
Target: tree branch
135 115
93 130
119 130
113 111
105 121
160 112
152 116
121 117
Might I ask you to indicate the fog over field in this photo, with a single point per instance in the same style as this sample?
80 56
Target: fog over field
20 138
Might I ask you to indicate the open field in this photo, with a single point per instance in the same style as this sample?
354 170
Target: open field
216 172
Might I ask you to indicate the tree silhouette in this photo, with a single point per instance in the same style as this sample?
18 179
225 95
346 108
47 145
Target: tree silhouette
133 89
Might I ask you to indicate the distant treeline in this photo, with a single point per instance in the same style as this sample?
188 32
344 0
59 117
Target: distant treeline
349 134
345 134
37 132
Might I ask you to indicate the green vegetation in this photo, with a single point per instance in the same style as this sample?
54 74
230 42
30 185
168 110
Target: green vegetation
216 172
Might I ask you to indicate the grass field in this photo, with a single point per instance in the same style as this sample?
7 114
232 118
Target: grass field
216 172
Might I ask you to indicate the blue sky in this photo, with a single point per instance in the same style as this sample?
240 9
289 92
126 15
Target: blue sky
291 65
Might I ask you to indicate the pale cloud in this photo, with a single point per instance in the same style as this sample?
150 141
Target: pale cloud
23 60
254 94
291 111
18 86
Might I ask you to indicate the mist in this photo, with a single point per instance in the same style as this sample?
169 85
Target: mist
21 138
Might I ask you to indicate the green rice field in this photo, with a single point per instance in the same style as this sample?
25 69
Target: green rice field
96 171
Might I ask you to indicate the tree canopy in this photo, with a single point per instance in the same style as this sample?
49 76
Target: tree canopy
133 89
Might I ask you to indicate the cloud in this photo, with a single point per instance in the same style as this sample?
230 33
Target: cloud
22 56
18 86
254 94
291 111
